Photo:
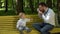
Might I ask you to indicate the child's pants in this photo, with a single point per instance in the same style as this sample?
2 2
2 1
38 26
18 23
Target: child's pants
21 28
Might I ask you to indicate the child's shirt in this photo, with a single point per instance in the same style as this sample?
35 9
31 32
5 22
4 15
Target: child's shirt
22 22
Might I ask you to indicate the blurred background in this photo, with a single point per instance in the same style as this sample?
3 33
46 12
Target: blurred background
9 9
13 7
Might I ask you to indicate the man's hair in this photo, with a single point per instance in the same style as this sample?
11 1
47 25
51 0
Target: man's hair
43 4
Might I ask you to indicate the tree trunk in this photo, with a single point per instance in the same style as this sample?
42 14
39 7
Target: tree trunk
58 7
0 3
13 4
38 3
19 6
6 5
49 3
31 6
36 6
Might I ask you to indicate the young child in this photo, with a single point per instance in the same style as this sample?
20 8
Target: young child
21 23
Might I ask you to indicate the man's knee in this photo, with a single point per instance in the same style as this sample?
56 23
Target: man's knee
42 30
35 24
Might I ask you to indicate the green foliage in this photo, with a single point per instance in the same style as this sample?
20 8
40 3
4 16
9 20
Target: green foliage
26 6
10 12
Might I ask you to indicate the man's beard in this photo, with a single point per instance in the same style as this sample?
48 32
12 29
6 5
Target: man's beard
43 11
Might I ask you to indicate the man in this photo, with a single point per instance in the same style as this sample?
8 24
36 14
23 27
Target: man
48 16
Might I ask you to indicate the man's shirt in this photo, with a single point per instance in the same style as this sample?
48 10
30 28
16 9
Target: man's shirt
49 16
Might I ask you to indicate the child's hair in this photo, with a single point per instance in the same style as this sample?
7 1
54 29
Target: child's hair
21 13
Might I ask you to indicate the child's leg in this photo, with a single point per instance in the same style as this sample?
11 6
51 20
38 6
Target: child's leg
21 30
27 29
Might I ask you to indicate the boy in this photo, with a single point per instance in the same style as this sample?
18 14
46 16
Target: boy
21 23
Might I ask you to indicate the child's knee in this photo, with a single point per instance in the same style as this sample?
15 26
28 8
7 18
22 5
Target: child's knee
20 29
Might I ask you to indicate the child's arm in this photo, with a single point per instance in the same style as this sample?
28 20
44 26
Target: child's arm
17 26
29 19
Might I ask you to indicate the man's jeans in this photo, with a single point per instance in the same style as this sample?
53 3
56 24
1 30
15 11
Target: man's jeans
44 28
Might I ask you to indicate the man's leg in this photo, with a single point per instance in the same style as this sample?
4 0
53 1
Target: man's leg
46 29
37 26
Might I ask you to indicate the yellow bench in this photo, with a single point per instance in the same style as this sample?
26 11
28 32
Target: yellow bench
8 24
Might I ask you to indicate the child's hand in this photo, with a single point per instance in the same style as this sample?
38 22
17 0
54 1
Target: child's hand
31 19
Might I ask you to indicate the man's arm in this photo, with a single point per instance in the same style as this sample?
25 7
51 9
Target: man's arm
39 13
49 15
46 17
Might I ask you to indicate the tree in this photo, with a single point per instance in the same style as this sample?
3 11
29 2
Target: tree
13 4
6 5
31 6
0 4
58 7
49 3
36 4
19 6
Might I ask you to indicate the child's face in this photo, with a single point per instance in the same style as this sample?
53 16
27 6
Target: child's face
23 16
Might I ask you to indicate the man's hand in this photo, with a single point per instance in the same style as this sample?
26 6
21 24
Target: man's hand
39 12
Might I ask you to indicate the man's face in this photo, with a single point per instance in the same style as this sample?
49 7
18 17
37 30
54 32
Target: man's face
41 8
